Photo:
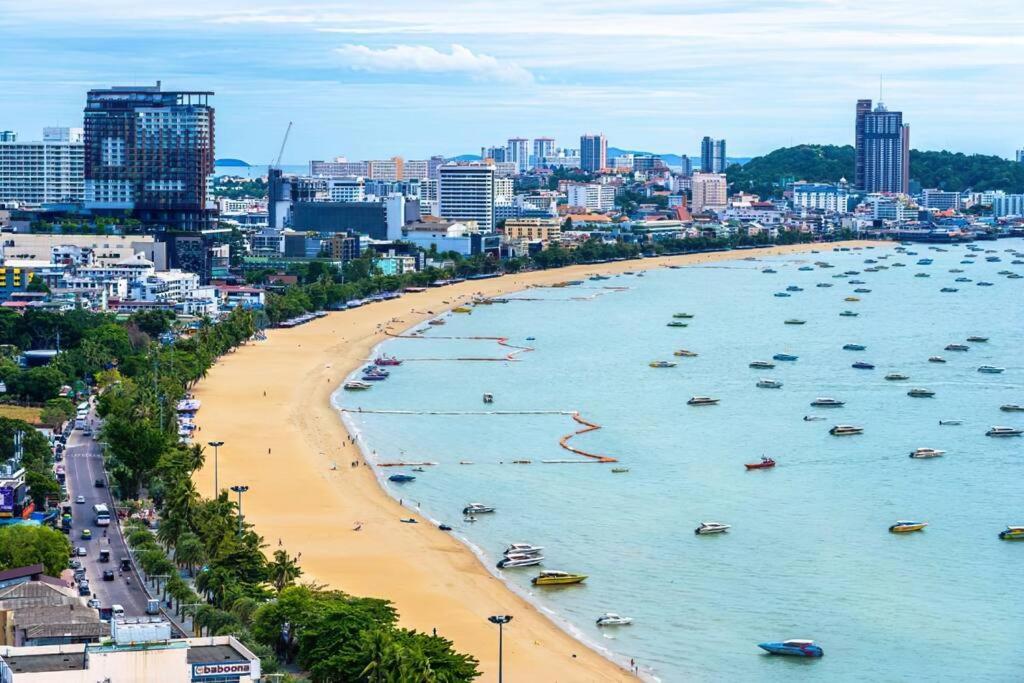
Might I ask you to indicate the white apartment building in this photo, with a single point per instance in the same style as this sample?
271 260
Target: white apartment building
1007 205
337 167
50 171
518 153
467 194
830 198
347 189
417 168
710 191
940 200
591 196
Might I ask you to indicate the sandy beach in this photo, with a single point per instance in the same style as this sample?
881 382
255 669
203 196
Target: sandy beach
270 403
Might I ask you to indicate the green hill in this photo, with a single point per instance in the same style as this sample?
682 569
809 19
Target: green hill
767 175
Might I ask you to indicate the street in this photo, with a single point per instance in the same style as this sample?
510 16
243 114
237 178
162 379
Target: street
83 462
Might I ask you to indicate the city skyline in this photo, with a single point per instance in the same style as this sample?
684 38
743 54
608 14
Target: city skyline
357 84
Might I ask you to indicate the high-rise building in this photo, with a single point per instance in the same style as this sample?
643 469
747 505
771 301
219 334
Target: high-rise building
386 169
518 153
593 152
1020 156
467 194
8 136
591 196
150 151
50 171
883 149
496 154
712 155
416 168
710 192
338 167
686 166
542 147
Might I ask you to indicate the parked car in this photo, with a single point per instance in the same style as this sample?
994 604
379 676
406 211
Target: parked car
75 564
81 552
79 574
105 555
93 603
80 500
83 588
108 574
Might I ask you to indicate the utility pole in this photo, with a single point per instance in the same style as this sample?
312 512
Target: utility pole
239 489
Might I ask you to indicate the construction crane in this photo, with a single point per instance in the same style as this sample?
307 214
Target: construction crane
284 142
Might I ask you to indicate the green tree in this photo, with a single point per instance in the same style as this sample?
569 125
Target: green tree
283 570
56 412
22 545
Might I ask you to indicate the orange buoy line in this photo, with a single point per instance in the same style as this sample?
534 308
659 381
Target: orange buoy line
501 341
587 427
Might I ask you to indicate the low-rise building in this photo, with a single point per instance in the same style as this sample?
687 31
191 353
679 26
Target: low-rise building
534 229
821 197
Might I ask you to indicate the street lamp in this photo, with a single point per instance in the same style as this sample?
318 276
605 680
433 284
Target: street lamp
216 465
500 620
239 489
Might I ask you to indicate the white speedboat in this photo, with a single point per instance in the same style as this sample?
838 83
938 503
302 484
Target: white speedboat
523 549
991 370
476 509
1004 431
922 453
612 619
950 422
356 385
702 401
827 403
513 561
769 384
707 528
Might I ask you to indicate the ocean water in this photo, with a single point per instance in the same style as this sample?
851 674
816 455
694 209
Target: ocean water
809 554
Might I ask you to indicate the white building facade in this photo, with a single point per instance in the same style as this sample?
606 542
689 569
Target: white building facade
50 171
467 194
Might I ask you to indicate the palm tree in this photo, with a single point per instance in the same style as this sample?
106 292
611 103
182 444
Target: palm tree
283 570
379 648
189 551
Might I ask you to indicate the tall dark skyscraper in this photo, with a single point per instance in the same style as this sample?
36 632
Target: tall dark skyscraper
150 152
883 149
593 152
712 155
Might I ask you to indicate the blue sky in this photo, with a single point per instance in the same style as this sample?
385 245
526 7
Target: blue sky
412 78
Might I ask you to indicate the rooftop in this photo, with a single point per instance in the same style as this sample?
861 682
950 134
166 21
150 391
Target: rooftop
70 661
211 654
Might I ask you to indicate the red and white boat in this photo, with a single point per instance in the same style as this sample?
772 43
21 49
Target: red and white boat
387 360
763 465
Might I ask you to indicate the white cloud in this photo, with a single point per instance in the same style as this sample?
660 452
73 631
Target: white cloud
424 59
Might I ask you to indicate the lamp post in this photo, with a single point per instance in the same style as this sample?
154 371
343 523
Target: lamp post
500 620
239 489
216 466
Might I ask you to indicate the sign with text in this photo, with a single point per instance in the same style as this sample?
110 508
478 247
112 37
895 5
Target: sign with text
201 671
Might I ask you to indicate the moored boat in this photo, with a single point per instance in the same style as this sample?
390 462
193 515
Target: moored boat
613 619
845 430
476 509
762 365
702 401
554 577
769 384
676 323
896 376
662 364
401 478
849 314
936 359
991 370
356 385
1011 408
1012 533
795 321
513 560
905 526
977 339
784 357
827 403
793 648
708 528
386 360
950 422
1004 431
924 453
684 316
863 365
853 347
684 353
957 347
766 463
921 393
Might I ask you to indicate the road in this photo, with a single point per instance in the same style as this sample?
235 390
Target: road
83 464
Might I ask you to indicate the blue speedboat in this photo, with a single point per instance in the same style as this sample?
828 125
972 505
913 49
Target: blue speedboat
401 478
784 356
781 294
861 365
373 369
374 377
853 347
793 648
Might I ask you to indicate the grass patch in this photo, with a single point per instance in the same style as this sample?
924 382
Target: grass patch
30 415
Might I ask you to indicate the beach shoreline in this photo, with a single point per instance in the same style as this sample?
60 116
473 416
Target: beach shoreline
270 402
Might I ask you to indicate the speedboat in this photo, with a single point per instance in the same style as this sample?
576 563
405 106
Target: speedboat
977 339
823 284
1011 408
683 353
769 384
476 509
845 430
984 284
896 376
707 528
950 422
702 401
782 295
387 360
522 549
793 648
374 370
1004 431
862 290
401 477
662 364
554 577
948 290
827 403
784 356
676 323
682 315
921 393
765 463
904 527
964 279
991 370
356 385
853 347
513 561
762 365
862 365
936 359
856 282
813 418
374 377
1012 533
769 270
805 268
921 275
620 470
795 321
612 619
849 314
852 298
924 453
957 347
794 288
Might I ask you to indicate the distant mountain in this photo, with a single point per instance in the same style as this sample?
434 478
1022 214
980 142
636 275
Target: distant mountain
465 157
231 162
766 175
671 159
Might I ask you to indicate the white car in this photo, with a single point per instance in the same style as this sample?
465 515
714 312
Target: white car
80 499
81 552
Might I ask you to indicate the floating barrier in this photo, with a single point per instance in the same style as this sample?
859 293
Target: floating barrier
501 341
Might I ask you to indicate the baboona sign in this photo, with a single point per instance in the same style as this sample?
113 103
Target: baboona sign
221 669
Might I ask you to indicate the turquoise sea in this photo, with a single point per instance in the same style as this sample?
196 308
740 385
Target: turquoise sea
809 554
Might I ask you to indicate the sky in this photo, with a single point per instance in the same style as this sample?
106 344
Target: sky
419 77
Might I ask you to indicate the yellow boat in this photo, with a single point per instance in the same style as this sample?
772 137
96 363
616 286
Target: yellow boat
554 577
683 353
852 298
1012 533
907 527
462 309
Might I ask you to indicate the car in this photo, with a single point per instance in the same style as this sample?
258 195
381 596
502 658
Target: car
75 564
83 588
80 500
86 534
79 575
93 603
108 574
100 483
81 552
